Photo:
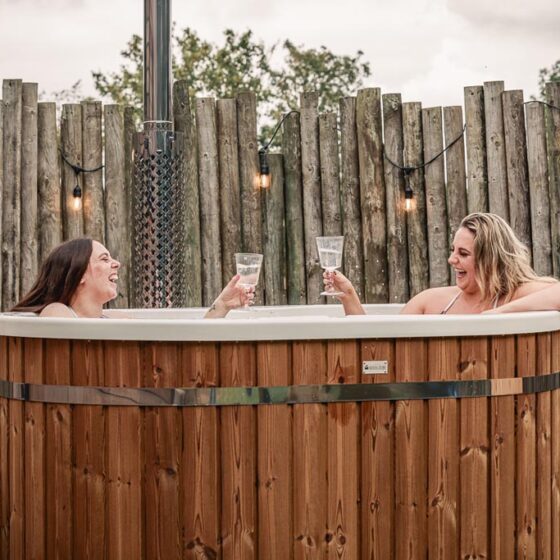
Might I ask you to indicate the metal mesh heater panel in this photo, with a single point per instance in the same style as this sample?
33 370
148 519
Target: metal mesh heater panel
158 251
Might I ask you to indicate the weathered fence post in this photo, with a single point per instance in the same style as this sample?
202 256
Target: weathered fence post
416 231
48 177
118 233
230 195
372 194
516 164
538 189
184 124
330 173
434 176
210 241
29 238
312 211
495 149
11 238
350 195
295 238
92 149
397 250
477 171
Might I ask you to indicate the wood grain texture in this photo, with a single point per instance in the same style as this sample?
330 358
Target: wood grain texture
416 228
516 164
496 150
377 460
4 462
502 457
29 240
295 238
48 178
555 449
553 150
372 194
330 174
477 169
397 253
311 181
353 257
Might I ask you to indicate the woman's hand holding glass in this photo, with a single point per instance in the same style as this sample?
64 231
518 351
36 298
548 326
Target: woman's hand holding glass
233 296
336 282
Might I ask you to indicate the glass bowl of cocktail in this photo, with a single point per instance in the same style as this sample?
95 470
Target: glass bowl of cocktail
248 267
330 257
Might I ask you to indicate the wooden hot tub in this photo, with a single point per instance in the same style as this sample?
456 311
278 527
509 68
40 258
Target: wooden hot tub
269 435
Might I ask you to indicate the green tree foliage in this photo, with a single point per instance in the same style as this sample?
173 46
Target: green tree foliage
276 75
551 74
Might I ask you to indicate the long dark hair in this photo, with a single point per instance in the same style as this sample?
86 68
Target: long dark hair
59 276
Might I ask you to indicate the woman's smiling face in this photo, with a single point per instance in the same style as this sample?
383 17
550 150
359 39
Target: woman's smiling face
101 275
463 261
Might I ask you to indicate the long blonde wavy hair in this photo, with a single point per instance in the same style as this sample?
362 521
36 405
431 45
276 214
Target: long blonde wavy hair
502 262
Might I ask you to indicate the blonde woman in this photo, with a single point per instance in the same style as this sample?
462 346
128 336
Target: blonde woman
491 269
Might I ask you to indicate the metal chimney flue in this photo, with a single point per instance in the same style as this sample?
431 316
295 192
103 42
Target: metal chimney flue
158 246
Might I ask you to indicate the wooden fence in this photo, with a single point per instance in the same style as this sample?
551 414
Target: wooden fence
330 178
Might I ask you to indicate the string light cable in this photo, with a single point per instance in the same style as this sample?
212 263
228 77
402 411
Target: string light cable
77 169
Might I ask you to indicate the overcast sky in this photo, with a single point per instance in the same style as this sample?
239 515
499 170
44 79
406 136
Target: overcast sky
425 50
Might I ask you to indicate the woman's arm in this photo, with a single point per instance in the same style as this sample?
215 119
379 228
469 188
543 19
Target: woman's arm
232 297
349 297
546 299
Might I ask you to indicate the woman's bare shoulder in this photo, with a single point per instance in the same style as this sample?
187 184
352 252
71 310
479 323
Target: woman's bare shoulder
432 300
532 287
56 310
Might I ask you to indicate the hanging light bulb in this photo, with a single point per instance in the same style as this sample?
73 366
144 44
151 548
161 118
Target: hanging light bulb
77 194
408 192
264 179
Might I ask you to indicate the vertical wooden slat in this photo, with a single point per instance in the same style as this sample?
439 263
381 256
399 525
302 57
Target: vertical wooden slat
251 212
48 177
477 170
116 202
474 454
275 456
544 452
411 461
295 239
553 151
92 149
344 463
124 456
1 188
88 450
184 123
4 462
71 147
526 456
378 464
353 257
210 243
372 194
516 164
502 458
201 459
11 196
162 436
29 240
59 519
538 189
397 254
239 457
555 449
438 249
455 169
330 172
274 235
35 487
230 196
443 454
16 449
495 149
129 134
310 456
312 212
416 230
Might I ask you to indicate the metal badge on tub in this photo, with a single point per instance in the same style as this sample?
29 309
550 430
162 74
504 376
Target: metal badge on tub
375 367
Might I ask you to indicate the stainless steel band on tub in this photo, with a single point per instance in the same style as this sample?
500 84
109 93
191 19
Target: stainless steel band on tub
291 394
